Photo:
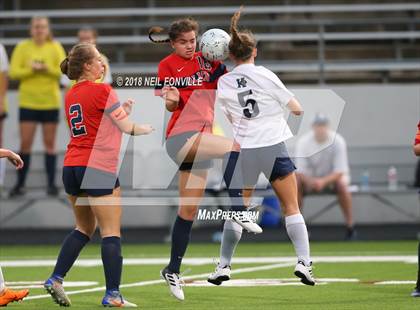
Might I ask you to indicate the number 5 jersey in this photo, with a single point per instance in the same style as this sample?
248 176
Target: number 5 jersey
254 99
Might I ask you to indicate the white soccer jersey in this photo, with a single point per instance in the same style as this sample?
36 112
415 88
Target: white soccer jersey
254 100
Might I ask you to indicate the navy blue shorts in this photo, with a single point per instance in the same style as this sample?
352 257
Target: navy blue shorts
92 182
272 160
39 116
175 143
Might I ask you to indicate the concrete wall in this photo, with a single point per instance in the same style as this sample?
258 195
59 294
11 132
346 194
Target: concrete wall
372 116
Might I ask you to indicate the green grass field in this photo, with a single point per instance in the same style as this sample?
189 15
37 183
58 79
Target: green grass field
380 261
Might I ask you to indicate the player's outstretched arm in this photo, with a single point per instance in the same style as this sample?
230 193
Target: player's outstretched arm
128 106
295 107
171 96
12 157
120 117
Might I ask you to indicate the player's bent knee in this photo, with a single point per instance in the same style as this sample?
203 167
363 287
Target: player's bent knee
341 186
110 233
291 209
86 231
88 227
188 213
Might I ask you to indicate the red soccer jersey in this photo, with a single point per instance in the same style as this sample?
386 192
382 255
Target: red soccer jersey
95 139
417 139
195 111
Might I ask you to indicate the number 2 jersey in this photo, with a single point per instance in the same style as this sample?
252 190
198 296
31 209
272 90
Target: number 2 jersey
195 110
254 99
94 138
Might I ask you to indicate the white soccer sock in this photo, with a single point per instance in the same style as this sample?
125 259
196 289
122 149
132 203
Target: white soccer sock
232 233
296 229
2 285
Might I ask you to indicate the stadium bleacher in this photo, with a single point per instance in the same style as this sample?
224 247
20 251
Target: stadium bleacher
331 43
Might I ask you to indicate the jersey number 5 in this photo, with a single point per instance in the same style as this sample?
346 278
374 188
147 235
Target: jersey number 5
76 120
251 107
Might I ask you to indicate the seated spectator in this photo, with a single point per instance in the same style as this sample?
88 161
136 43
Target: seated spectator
326 170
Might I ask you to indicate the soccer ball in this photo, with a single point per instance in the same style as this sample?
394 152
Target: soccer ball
214 44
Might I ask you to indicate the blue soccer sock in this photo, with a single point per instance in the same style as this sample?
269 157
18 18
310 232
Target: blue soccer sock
50 165
112 261
70 250
180 238
233 180
22 173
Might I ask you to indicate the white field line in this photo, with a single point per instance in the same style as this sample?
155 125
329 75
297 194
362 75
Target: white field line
152 282
257 282
206 261
329 280
40 284
396 282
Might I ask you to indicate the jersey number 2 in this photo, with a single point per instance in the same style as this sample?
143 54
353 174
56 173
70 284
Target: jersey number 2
76 120
250 105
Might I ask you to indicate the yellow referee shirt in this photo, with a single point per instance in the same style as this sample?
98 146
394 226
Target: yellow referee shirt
37 90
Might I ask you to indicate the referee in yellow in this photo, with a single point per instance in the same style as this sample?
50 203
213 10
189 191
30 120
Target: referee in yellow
35 62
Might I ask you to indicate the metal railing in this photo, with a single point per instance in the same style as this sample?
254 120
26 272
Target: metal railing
321 37
261 37
215 10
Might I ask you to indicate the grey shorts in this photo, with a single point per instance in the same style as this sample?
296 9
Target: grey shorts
175 143
273 161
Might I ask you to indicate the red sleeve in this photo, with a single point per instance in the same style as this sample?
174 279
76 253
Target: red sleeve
417 139
163 71
107 99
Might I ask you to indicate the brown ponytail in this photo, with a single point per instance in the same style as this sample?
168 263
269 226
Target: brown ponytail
177 27
234 26
64 66
157 30
242 43
72 65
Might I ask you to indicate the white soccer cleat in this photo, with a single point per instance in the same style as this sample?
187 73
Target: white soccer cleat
305 273
174 283
221 274
247 222
127 304
115 300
